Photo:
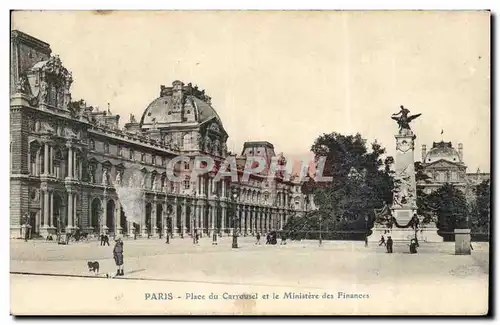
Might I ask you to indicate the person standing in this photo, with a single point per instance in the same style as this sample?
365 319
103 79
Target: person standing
389 244
258 239
118 256
366 241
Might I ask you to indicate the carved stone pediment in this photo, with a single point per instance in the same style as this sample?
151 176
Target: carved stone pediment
50 83
441 164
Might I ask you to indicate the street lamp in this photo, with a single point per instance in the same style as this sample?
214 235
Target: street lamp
234 196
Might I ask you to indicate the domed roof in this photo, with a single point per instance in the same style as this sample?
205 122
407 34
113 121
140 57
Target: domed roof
187 99
442 150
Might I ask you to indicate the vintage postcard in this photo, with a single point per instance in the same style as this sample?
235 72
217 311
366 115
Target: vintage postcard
250 162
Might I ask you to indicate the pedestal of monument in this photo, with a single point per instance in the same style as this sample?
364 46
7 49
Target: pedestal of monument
462 242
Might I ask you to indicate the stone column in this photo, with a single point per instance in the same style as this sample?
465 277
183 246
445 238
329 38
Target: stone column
46 159
104 215
36 172
223 218
46 208
213 215
80 172
70 162
118 219
257 219
74 211
183 217
154 228
51 166
74 164
174 217
282 223
51 213
202 219
244 216
237 219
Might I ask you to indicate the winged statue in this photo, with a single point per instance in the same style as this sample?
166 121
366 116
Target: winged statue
403 119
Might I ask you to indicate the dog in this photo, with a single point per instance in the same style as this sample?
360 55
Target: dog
93 266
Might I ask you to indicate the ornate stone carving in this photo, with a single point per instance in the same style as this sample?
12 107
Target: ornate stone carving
404 145
23 86
118 179
47 128
214 127
69 133
105 177
44 92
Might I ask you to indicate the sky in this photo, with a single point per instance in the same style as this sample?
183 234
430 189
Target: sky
289 76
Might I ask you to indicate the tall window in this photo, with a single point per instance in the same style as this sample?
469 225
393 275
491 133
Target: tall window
131 154
92 144
106 147
153 160
143 156
186 183
119 150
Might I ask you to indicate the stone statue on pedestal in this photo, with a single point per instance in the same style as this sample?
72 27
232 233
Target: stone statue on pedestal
403 119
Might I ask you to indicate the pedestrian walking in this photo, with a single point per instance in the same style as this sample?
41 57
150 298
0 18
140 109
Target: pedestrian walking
258 239
268 238
118 256
102 239
106 240
366 241
389 244
382 241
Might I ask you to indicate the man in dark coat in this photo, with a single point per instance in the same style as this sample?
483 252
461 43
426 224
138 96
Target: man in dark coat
118 256
389 244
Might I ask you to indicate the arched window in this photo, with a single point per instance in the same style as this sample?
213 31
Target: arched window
187 141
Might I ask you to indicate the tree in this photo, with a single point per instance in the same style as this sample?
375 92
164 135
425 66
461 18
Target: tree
424 205
450 207
361 181
480 208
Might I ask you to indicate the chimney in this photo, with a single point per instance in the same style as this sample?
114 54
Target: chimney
461 152
424 152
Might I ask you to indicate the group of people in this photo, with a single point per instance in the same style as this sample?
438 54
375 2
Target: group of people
388 244
271 238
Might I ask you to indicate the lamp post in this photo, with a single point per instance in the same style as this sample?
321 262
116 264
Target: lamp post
234 196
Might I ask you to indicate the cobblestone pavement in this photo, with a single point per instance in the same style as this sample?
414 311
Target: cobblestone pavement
432 281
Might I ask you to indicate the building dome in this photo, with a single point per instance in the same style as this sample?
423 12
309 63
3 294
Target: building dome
179 104
442 151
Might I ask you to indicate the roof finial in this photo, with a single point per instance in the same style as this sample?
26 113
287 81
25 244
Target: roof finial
109 111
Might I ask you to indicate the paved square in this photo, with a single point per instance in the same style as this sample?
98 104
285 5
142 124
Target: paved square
433 281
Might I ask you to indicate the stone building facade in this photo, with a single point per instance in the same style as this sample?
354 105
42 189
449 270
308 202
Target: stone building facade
73 167
444 164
